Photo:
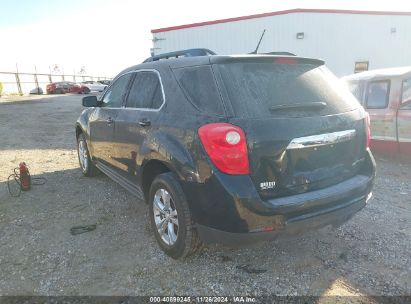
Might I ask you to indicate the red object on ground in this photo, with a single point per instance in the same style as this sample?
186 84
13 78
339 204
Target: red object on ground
24 177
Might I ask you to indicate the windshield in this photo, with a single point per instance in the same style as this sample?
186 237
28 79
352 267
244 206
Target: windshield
254 89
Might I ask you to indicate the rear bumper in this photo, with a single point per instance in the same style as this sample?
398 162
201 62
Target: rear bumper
228 209
293 226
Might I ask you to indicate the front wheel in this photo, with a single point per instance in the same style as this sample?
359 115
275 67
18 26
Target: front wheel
86 165
171 218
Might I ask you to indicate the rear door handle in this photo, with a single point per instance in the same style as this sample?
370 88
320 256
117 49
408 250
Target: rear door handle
109 121
144 122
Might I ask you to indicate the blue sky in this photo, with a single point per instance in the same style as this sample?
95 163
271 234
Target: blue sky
106 36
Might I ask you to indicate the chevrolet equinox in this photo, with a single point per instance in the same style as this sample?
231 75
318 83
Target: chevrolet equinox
230 149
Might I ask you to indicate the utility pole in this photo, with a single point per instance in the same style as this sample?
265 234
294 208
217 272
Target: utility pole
18 80
50 79
36 80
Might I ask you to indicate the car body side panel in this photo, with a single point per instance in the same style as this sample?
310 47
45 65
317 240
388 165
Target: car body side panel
101 132
404 131
178 147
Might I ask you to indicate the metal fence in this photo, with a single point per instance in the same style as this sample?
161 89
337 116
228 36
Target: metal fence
23 83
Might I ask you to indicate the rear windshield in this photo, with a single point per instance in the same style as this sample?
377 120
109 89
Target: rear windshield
254 89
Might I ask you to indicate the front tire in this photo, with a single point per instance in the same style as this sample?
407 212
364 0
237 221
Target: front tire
86 165
171 219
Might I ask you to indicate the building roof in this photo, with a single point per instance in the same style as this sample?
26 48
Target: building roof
284 12
388 72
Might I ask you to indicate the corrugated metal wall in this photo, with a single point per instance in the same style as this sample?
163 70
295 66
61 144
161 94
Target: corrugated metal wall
339 39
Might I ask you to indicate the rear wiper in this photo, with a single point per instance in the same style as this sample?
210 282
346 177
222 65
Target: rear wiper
299 106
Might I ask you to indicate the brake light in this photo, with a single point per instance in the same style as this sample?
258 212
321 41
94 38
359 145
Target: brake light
285 60
226 146
367 130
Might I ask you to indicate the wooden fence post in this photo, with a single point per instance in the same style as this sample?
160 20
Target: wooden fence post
37 82
18 84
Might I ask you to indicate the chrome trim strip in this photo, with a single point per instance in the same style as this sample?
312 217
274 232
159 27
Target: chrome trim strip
321 139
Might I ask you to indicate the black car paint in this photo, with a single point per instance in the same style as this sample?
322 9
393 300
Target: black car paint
220 202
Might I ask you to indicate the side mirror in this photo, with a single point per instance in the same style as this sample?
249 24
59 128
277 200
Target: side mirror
90 101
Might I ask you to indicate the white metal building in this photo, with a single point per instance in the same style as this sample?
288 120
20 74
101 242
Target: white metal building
344 39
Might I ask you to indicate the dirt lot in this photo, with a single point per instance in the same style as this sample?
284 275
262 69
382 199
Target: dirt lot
370 255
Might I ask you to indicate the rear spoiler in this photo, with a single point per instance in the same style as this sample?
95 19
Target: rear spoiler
263 58
182 53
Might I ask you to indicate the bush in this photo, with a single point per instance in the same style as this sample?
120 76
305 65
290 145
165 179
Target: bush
1 88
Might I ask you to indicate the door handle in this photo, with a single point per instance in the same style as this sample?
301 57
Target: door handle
109 121
144 122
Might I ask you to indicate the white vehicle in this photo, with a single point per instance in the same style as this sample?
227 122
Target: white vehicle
94 86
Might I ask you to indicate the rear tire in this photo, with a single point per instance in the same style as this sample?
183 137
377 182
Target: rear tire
171 219
86 165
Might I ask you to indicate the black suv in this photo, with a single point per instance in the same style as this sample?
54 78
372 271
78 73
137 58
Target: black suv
231 149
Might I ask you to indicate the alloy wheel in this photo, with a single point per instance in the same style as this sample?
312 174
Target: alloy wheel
165 216
82 154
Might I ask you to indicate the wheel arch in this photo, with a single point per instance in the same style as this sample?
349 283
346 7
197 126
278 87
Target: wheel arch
79 130
149 171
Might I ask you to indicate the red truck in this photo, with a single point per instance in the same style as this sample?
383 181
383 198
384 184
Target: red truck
386 96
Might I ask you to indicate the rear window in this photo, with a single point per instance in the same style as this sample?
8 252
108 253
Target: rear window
406 90
254 89
377 94
199 87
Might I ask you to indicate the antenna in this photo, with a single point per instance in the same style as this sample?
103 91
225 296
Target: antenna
258 45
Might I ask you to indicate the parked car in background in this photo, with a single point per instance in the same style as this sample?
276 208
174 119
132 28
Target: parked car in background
105 82
94 86
231 149
386 95
36 91
63 87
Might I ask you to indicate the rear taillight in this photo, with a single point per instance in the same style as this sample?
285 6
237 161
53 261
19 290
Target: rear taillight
226 146
285 60
367 130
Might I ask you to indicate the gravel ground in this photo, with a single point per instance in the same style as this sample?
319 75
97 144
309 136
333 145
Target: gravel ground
369 255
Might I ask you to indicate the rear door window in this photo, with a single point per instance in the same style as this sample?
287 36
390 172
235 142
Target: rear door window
199 87
146 91
255 89
377 94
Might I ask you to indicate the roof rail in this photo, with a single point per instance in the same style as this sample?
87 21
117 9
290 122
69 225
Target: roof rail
182 53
